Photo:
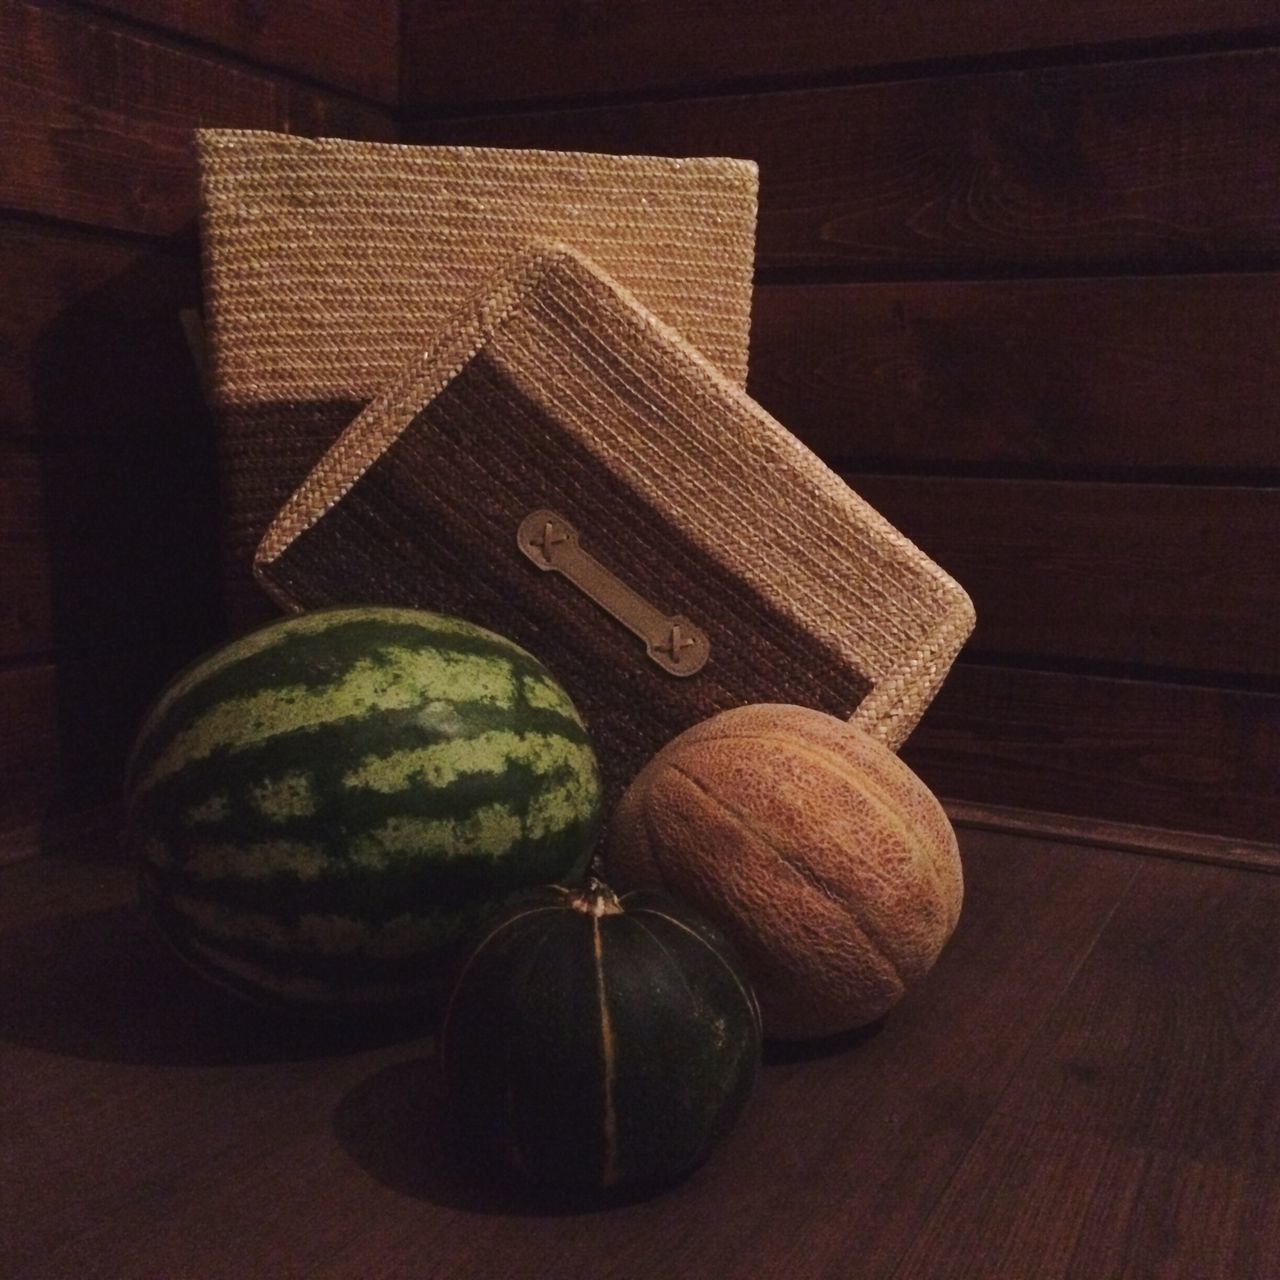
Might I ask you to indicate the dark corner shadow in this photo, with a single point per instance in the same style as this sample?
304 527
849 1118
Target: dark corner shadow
397 1126
126 454
104 986
780 1052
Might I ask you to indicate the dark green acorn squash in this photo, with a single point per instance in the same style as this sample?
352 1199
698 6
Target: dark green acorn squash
593 1043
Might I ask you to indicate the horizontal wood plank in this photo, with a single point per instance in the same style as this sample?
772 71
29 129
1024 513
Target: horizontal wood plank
1195 759
1128 375
549 48
1174 1080
1183 757
1134 166
98 121
1171 1097
1160 842
1161 576
349 44
1061 1205
902 1126
843 1149
1082 1087
91 348
104 549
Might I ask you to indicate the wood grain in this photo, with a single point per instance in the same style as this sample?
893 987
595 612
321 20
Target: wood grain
1160 842
788 1195
98 120
550 48
908 1126
1083 1087
332 1160
1187 757
1141 1131
1061 1205
1194 1074
148 1041
1175 577
1154 753
1129 166
348 44
1131 376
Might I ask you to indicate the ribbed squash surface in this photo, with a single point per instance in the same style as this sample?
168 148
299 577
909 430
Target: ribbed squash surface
825 860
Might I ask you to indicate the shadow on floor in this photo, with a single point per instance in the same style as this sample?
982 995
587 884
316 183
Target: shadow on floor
397 1126
779 1052
103 985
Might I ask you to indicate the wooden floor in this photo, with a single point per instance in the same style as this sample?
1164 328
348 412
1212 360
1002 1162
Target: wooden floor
1088 1085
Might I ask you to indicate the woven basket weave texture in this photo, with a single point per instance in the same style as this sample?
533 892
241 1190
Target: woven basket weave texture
328 263
558 389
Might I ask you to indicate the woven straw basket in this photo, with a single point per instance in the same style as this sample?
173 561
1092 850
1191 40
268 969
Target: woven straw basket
563 467
328 263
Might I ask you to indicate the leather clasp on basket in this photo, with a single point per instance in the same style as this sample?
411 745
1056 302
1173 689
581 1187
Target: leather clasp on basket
671 640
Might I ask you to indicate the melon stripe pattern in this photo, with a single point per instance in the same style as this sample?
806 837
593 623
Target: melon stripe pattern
828 864
597 1043
323 808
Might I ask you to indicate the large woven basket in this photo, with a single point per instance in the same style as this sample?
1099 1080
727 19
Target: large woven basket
328 263
561 466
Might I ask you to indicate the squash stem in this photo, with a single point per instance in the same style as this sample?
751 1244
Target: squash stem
597 899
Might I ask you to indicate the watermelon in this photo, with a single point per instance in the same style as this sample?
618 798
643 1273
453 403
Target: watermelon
322 809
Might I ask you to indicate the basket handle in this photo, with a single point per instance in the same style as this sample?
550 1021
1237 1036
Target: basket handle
671 640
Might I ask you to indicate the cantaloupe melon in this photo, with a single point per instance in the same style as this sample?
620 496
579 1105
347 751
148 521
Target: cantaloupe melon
825 860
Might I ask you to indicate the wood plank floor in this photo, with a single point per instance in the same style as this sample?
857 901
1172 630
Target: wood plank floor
1088 1085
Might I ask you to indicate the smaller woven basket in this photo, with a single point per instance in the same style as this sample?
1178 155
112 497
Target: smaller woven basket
562 467
329 262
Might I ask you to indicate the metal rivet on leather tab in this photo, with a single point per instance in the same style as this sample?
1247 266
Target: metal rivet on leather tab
671 640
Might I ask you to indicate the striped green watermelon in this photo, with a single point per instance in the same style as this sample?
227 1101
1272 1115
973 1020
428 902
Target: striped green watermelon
323 808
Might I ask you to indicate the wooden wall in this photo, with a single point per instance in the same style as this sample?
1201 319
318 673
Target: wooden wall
1016 281
107 492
